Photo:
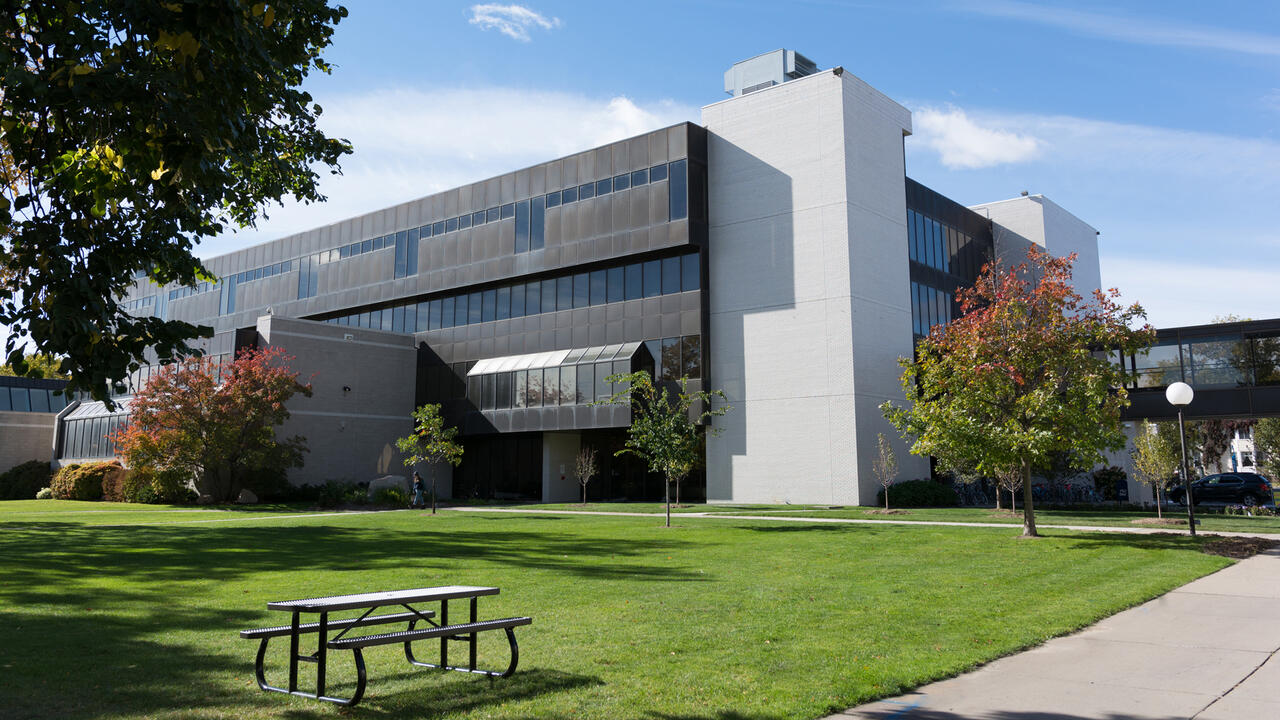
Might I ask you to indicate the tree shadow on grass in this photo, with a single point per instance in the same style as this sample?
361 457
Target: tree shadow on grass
722 715
433 696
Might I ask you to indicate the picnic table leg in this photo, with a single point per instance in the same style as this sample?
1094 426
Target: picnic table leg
444 639
293 653
472 640
321 651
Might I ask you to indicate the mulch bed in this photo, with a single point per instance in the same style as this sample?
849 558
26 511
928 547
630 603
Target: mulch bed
882 511
1159 521
1238 547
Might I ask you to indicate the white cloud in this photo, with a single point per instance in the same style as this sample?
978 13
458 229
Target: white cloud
1192 293
514 21
1128 28
962 143
410 143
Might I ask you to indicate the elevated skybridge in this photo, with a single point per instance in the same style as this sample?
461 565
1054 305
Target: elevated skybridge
1234 369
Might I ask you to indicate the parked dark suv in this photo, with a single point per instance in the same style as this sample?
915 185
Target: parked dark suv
1238 488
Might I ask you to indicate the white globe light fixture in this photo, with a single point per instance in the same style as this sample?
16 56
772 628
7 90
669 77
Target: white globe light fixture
1179 395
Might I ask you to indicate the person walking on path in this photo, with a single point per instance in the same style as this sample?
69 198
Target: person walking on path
419 488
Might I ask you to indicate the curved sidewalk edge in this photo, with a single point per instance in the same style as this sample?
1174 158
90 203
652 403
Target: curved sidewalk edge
1209 650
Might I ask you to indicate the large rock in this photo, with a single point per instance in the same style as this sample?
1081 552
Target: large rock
247 498
399 482
204 500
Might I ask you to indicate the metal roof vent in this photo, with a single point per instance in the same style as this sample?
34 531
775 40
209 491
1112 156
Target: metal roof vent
767 70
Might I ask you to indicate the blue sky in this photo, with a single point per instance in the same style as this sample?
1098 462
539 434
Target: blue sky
1156 122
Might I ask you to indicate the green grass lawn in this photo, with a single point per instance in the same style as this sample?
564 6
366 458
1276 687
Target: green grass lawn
119 611
1211 518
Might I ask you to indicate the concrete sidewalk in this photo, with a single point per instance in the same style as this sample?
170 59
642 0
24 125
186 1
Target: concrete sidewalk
1209 650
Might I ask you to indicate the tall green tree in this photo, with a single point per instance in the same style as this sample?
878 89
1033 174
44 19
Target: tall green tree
1155 460
38 365
134 129
1016 378
666 429
432 442
1266 446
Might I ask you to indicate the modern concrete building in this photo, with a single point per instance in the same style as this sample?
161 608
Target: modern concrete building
28 415
776 250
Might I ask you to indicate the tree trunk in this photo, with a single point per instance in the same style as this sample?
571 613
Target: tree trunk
1159 506
584 493
667 497
433 490
1013 499
999 499
886 497
1028 510
677 492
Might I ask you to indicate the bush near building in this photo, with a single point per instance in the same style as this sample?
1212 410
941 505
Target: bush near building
920 493
22 482
85 482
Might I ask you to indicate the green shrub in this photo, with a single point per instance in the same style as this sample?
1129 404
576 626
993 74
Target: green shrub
45 494
83 482
918 493
149 485
269 484
22 482
390 496
1106 481
336 494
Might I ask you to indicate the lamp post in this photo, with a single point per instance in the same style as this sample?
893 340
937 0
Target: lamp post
1179 395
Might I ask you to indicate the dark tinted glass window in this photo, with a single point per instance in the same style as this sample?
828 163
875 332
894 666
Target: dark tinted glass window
489 305
451 224
377 244
411 317
652 278
397 319
586 384
437 228
690 273
475 309
621 182
507 211
522 226
634 281
460 310
521 388
534 389
486 384
446 313
603 389
581 290
517 300
424 231
657 172
491 215
671 365
553 199
532 304
537 223
504 303
386 318
640 177
40 401
691 355
678 193
5 404
670 275
375 320
366 246
564 293
616 290
569 195
585 192
568 384
598 287
548 296
464 222
604 187
477 218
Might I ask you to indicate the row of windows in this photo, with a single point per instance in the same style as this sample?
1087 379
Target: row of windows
88 438
139 303
529 216
625 282
580 379
18 399
1232 360
929 307
941 246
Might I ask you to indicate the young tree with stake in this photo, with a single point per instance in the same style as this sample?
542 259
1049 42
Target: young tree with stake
431 443
885 466
584 469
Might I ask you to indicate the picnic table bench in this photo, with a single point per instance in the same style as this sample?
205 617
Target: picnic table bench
370 602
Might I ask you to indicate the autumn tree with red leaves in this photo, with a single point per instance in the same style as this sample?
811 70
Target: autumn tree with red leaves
215 423
1018 377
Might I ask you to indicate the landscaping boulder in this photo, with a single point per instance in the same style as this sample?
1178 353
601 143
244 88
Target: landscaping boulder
204 500
247 497
397 482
